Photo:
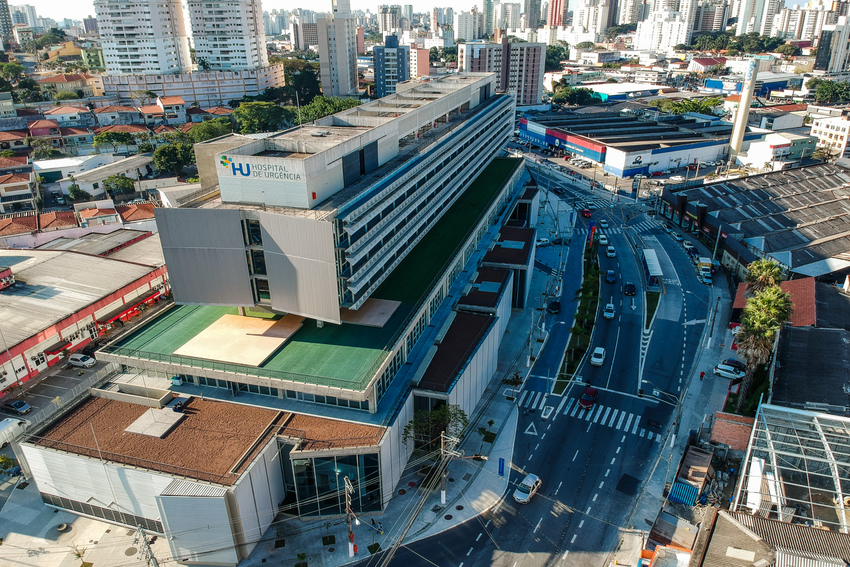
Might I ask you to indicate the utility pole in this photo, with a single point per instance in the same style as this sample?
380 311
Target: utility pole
447 452
349 516
147 553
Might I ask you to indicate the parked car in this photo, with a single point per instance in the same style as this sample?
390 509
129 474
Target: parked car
588 398
641 176
527 488
678 237
603 223
541 242
81 360
629 289
598 356
608 313
610 276
611 252
15 407
726 371
554 307
60 200
687 246
735 363
658 173
677 179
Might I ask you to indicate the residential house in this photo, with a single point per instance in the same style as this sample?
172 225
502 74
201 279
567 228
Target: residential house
196 114
108 115
98 217
77 140
91 181
19 223
135 130
703 64
14 140
17 184
46 130
7 106
832 134
70 116
167 110
57 220
136 213
77 83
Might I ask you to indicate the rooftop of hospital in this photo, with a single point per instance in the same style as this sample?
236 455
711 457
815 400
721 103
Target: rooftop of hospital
345 356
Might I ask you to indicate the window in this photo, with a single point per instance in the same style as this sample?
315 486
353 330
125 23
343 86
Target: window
261 290
252 233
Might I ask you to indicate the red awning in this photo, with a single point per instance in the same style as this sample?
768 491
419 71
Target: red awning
58 347
127 307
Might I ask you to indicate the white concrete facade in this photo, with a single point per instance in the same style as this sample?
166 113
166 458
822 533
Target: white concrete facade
141 37
229 35
338 55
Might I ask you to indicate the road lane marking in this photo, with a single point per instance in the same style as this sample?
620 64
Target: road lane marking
522 397
542 437
642 431
479 537
468 553
598 413
543 399
580 524
569 404
487 524
589 425
594 496
601 484
618 450
535 527
559 488
573 540
635 428
576 455
536 446
587 512
557 411
649 435
613 460
607 472
607 411
575 409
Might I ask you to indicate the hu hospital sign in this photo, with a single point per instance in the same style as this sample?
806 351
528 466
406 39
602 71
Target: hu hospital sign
258 170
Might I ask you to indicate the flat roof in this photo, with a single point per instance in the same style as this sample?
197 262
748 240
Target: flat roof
121 166
95 243
486 289
345 355
52 285
147 251
513 247
455 350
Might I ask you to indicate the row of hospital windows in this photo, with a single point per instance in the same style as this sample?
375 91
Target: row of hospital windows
389 259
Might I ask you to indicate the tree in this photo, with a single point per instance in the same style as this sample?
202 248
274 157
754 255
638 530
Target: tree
613 31
831 91
762 274
427 425
147 96
113 139
254 117
325 106
77 194
585 45
66 96
554 55
788 50
577 96
42 149
210 129
7 154
118 184
11 71
825 153
144 142
173 157
433 54
715 70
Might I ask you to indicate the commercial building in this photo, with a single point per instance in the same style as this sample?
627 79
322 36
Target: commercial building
359 269
140 38
89 292
392 65
304 34
833 54
520 66
832 134
765 83
228 35
338 51
778 151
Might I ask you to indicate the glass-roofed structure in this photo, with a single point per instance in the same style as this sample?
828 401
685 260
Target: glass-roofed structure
797 468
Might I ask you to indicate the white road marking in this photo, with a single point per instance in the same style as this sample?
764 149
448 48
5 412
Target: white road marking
487 524
618 450
576 455
642 431
622 417
613 460
542 437
613 417
607 411
522 397
575 409
649 435
562 557
570 403
559 488
635 428
537 526
468 553
624 437
557 411
594 496
607 472
589 425
573 539
598 413
601 484
580 524
479 537
587 512
536 446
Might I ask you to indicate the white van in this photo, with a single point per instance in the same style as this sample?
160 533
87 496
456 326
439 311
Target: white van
11 428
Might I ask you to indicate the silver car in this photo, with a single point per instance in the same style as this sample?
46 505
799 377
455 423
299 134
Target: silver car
81 360
527 488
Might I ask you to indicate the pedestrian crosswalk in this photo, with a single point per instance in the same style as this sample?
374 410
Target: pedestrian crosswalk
641 227
614 418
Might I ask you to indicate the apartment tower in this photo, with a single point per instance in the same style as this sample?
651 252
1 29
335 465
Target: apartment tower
229 35
338 51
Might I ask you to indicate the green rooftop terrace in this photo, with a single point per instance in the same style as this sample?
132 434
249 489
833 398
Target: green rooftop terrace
338 356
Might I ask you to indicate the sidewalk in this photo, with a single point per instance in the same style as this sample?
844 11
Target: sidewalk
702 399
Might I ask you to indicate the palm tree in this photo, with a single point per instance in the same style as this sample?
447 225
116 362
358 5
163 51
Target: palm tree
761 322
762 274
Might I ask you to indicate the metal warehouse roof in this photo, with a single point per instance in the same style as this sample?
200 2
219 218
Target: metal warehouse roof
51 285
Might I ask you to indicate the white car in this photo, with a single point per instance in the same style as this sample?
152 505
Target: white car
598 356
81 360
527 488
603 223
603 240
608 313
727 371
612 252
542 242
641 176
677 179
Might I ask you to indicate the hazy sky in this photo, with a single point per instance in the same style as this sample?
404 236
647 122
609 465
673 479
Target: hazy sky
79 9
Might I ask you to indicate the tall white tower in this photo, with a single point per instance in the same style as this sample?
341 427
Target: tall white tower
743 113
338 51
229 35
143 37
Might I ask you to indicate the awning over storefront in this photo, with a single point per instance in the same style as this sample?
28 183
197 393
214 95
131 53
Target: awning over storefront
57 347
119 312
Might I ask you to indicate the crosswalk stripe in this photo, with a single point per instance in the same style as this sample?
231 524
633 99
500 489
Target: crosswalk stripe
536 397
613 417
575 409
635 428
628 423
563 401
642 431
649 435
607 411
543 399
598 413
570 403
522 397
622 417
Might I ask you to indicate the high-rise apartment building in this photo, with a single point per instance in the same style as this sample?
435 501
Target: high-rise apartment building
30 16
466 25
662 30
90 25
361 39
420 62
229 35
531 9
389 18
520 66
592 16
338 51
757 16
632 11
833 55
304 34
487 14
557 11
5 20
407 11
141 37
509 14
711 16
392 65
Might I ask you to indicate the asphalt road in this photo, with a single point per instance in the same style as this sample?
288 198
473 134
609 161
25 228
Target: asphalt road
592 463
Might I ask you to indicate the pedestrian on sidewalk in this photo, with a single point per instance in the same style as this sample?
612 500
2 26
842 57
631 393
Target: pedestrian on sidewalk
701 376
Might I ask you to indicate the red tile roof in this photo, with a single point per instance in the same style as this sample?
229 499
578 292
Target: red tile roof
142 211
171 100
128 128
43 124
57 220
186 127
74 131
733 98
152 109
65 110
732 430
14 178
709 61
103 109
195 110
64 78
89 213
163 128
11 135
788 107
16 161
802 299
221 110
18 224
